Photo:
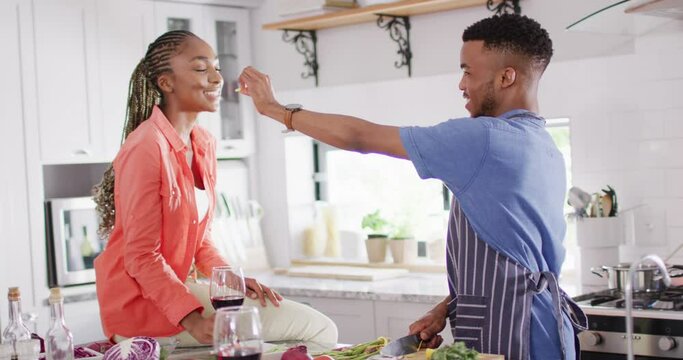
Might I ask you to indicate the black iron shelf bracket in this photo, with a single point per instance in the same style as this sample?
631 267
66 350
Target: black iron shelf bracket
501 7
399 31
305 42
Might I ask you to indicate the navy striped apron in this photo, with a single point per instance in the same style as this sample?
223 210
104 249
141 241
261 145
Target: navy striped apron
491 295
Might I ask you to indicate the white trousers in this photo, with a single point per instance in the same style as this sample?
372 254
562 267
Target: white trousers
291 321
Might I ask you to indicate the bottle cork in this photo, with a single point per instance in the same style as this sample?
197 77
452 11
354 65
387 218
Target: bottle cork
55 295
13 294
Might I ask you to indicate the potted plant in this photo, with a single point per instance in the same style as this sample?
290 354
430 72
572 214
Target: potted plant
376 243
402 243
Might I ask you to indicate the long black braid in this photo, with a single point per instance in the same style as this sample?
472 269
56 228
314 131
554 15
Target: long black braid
143 94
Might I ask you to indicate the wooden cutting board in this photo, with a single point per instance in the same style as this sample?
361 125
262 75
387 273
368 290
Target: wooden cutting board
345 272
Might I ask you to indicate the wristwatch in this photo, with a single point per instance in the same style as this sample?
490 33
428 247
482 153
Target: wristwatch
290 109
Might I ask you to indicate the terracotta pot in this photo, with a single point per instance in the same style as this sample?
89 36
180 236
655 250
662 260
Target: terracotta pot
376 247
404 251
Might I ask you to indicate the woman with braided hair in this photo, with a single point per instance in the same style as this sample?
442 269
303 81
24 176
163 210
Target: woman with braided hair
148 209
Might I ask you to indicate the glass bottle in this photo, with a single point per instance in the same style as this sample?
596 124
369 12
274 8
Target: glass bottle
60 341
15 330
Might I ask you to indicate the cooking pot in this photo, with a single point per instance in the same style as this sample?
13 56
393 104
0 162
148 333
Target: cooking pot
646 278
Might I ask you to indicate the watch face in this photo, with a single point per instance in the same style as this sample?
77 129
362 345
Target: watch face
293 107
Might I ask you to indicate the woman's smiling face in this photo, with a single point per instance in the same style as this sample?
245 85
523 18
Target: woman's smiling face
195 80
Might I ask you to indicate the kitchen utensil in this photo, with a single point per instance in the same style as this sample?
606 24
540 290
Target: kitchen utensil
255 215
647 277
402 346
579 200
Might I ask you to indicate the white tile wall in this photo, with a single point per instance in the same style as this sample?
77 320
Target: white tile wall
626 110
627 131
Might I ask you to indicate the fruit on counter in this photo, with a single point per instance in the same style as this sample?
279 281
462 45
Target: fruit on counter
357 352
136 348
455 351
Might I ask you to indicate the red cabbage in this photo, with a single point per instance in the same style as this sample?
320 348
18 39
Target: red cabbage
136 348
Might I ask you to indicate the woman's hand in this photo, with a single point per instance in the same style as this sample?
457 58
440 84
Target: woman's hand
255 290
257 85
199 327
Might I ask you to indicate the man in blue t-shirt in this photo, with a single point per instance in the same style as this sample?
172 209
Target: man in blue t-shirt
506 225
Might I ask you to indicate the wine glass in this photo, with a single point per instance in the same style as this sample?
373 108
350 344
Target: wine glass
227 286
237 333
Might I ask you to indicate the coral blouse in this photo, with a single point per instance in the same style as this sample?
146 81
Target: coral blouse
157 235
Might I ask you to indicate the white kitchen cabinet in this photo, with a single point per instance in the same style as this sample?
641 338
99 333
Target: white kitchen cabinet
15 257
125 28
392 319
354 318
68 85
226 29
85 54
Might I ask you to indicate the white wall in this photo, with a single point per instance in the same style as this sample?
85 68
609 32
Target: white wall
622 94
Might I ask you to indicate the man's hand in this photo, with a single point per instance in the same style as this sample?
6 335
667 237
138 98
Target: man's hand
257 85
255 290
199 327
430 325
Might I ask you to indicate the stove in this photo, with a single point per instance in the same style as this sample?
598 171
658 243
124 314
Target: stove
657 323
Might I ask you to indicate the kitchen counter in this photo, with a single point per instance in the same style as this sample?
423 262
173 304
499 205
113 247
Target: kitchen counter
413 287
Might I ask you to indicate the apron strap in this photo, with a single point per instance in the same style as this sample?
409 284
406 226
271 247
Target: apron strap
562 303
547 280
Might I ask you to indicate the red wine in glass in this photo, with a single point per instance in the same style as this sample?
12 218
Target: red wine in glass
245 354
225 301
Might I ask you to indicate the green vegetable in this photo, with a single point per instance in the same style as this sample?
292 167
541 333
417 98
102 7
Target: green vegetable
456 351
358 352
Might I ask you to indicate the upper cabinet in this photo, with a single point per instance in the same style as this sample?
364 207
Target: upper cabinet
124 29
227 31
86 51
66 65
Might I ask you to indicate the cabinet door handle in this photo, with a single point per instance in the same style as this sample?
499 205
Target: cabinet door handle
228 147
79 152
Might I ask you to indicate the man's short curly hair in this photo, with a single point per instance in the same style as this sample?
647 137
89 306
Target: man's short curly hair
516 34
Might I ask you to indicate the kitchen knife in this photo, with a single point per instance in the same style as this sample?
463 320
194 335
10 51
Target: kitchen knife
405 345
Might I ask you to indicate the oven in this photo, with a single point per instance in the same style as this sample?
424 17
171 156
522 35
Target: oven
71 240
657 324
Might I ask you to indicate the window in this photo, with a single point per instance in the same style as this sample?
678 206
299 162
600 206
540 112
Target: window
559 130
358 184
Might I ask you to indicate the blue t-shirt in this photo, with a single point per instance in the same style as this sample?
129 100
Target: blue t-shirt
509 178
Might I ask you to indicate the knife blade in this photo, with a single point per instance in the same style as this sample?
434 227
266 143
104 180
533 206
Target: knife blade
402 346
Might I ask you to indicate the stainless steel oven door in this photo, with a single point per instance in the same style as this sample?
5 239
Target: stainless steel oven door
72 240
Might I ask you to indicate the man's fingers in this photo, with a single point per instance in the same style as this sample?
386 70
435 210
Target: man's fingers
434 342
415 329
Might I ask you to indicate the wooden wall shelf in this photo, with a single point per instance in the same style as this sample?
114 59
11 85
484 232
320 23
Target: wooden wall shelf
369 14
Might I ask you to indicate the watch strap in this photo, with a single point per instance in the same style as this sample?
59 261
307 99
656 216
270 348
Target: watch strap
288 119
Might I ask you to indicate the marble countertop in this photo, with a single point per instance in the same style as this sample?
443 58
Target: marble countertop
412 287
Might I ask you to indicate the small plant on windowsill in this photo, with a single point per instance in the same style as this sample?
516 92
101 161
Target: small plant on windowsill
375 225
377 229
403 245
